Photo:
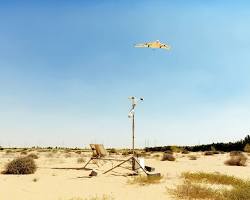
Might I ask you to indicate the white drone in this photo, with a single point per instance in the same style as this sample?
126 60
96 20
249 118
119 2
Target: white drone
154 45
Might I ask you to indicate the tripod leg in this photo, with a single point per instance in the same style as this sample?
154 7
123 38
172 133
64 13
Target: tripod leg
87 163
116 166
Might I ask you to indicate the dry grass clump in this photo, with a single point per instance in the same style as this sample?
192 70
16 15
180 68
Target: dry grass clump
193 187
22 165
126 152
24 152
236 159
78 152
184 151
33 156
113 150
192 157
8 151
50 155
188 190
212 178
67 155
103 197
145 180
235 153
156 156
209 153
168 157
81 160
247 148
143 154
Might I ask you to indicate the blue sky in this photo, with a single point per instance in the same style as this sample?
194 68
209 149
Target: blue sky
68 67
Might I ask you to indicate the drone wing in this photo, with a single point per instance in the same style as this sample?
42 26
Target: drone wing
145 45
165 46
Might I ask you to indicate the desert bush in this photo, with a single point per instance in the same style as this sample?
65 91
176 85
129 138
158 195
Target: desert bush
212 178
24 152
193 187
8 151
54 151
22 165
192 157
80 160
184 151
156 155
50 155
126 152
113 150
143 154
67 155
176 149
208 153
247 148
237 160
78 152
169 152
67 150
235 153
168 157
145 180
216 152
188 190
103 197
32 155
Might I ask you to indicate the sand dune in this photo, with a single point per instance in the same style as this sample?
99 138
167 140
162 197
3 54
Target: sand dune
65 184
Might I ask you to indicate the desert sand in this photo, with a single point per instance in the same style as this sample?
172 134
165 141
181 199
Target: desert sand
48 183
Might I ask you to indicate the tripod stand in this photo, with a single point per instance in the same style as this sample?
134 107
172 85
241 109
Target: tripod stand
133 159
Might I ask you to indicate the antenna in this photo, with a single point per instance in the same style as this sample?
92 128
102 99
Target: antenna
134 102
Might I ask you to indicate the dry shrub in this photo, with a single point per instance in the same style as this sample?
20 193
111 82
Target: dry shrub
49 155
235 153
8 151
24 152
103 197
176 149
169 152
78 152
238 159
190 190
126 152
192 157
184 151
67 150
32 155
168 157
212 178
67 155
209 153
113 150
143 154
22 165
54 151
145 180
247 148
80 160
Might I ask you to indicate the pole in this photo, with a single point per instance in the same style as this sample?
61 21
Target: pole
133 140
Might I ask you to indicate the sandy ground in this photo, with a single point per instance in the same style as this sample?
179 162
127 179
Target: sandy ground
71 184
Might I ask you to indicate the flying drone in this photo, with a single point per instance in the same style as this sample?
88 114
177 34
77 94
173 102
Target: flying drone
154 45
